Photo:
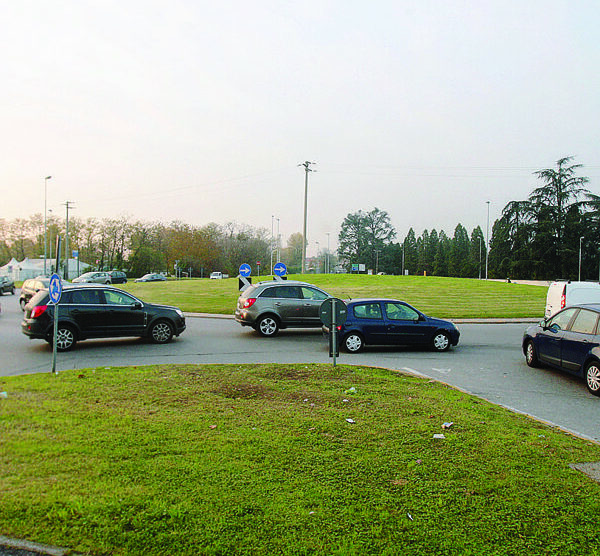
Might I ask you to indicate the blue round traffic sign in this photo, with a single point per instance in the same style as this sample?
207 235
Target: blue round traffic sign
55 288
280 269
245 270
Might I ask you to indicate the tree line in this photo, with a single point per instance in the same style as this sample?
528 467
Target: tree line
542 237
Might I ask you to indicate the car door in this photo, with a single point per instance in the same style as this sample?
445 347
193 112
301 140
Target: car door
288 304
125 314
86 307
404 325
311 305
548 340
578 340
368 320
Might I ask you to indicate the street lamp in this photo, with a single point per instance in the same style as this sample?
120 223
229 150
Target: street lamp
307 169
480 257
487 240
580 248
328 255
45 221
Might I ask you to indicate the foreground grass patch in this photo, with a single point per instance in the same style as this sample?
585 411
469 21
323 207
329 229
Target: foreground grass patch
262 460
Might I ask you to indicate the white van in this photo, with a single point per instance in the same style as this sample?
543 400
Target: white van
563 294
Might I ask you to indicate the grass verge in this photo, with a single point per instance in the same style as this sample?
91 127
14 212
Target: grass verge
260 459
436 296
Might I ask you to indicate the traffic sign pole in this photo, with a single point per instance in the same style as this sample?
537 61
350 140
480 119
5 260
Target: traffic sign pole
55 292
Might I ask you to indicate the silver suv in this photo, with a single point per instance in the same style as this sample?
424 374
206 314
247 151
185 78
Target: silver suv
270 306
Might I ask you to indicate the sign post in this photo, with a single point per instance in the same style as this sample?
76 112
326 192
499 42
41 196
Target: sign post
55 290
333 313
243 277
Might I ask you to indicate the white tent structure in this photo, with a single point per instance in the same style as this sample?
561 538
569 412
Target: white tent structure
30 268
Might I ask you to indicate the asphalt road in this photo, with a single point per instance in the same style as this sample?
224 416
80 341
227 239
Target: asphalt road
487 362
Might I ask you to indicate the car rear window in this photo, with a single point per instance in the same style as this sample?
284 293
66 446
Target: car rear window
40 297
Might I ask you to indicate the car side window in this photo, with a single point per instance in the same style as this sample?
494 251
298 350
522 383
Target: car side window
367 311
311 293
118 298
269 292
585 322
288 292
562 319
86 297
398 311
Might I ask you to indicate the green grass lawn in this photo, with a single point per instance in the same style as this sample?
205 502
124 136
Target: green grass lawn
262 460
439 297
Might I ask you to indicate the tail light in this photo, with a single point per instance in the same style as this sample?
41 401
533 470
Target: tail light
339 327
38 310
249 302
563 298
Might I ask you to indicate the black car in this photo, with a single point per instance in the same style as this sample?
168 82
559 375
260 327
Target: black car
30 287
391 322
569 341
7 285
118 277
97 311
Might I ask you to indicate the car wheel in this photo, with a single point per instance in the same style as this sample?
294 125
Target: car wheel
267 326
353 342
22 303
161 332
592 378
65 338
12 291
441 341
530 354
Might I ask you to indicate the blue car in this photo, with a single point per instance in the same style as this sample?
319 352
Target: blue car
391 322
568 341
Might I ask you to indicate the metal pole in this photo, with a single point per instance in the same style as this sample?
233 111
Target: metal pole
272 217
580 247
278 237
66 273
487 241
328 254
480 257
45 221
307 169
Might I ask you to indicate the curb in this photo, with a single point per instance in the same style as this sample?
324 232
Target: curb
529 320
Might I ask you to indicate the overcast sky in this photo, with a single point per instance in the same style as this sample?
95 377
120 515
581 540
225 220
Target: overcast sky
201 111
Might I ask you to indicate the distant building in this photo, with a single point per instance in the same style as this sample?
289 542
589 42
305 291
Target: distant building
30 268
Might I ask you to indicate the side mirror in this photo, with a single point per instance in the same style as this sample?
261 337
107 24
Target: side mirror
136 306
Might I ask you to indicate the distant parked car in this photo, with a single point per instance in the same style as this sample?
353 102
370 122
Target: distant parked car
7 285
118 277
271 305
569 341
98 311
93 278
152 277
218 275
391 322
30 287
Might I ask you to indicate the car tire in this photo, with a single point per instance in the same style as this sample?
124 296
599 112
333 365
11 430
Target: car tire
161 332
530 354
440 341
592 377
22 303
267 326
66 337
353 342
12 291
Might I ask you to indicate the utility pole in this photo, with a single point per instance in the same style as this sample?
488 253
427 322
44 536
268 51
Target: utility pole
487 240
68 205
46 221
307 169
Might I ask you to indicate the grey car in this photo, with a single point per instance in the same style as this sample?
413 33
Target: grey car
7 285
271 306
93 278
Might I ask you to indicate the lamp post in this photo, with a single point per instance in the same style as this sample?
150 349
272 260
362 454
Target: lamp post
487 240
480 257
277 244
328 255
580 249
307 169
45 221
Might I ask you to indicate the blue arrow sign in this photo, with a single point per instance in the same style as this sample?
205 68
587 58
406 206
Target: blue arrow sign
280 269
245 270
55 288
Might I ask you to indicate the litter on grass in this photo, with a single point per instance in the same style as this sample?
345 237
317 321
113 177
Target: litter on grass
447 425
351 421
439 436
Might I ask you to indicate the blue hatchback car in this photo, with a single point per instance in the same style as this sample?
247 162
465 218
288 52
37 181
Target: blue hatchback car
569 341
391 322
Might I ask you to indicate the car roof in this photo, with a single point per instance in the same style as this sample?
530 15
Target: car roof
88 285
284 283
374 300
